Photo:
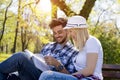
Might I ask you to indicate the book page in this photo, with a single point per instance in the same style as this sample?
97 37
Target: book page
38 60
28 53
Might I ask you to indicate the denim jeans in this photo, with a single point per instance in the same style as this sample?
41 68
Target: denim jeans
51 75
13 77
21 63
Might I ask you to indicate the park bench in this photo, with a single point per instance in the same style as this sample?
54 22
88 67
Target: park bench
111 71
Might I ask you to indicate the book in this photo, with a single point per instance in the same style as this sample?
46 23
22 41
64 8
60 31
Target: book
38 60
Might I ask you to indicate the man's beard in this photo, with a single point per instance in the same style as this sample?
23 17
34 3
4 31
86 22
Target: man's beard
63 40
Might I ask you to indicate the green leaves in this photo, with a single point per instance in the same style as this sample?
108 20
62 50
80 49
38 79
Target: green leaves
110 43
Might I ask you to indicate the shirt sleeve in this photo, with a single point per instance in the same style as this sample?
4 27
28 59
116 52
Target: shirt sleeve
92 45
44 49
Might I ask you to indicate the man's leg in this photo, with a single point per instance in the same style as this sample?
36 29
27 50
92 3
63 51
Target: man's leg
13 77
3 76
21 63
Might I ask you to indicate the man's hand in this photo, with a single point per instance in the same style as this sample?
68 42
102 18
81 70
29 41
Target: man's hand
51 61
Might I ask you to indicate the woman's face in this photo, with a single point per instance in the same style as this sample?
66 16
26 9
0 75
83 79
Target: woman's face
72 33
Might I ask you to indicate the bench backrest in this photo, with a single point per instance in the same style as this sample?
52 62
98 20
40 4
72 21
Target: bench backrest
111 71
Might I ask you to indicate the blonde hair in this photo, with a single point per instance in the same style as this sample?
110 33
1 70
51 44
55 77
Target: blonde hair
81 37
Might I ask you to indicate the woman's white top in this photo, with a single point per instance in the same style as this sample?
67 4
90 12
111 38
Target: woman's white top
92 45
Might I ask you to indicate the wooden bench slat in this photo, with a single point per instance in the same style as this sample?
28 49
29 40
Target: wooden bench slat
114 67
115 75
111 71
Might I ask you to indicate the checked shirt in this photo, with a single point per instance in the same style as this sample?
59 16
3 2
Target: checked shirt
63 54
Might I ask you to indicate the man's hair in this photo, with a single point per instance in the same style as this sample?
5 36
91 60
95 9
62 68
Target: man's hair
57 22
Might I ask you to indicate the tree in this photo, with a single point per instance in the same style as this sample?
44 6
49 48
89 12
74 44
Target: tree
66 9
16 30
87 8
5 19
54 11
20 20
62 5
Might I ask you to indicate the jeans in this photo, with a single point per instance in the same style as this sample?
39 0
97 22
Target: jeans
21 63
51 75
13 77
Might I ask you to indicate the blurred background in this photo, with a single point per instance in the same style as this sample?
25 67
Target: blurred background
24 24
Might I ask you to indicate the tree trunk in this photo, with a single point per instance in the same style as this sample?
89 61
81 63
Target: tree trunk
54 11
6 48
15 39
84 12
23 38
5 19
16 32
87 8
62 5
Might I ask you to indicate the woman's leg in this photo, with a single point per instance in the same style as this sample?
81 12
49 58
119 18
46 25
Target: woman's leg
51 75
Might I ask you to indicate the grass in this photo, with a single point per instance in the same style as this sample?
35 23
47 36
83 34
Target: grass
4 56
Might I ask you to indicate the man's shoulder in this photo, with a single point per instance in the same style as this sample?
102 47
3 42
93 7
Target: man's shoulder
49 44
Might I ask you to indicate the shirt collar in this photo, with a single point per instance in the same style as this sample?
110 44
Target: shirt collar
59 46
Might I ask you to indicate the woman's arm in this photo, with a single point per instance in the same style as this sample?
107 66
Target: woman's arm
90 65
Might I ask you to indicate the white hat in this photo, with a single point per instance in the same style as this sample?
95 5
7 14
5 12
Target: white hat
76 22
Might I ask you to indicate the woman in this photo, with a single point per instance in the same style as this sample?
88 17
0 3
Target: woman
88 63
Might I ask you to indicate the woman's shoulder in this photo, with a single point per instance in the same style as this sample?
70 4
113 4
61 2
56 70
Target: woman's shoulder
92 39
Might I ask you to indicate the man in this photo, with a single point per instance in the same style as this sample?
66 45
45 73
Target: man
57 55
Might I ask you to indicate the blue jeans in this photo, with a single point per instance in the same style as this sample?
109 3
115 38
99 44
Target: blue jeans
51 75
21 63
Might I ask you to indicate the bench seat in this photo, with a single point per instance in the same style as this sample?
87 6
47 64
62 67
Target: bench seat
111 71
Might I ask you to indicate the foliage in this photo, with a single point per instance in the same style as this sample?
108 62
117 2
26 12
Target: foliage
4 56
33 31
110 43
32 27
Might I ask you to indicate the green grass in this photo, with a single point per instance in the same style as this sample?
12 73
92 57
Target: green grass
4 56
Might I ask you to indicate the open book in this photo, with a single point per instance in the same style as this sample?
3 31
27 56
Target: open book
38 60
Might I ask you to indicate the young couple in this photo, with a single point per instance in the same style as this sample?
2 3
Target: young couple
82 62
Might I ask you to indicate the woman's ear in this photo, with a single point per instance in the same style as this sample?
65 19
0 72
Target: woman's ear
67 32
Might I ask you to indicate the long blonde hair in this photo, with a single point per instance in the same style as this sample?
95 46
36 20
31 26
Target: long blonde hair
82 36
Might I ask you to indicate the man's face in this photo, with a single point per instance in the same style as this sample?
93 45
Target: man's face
59 34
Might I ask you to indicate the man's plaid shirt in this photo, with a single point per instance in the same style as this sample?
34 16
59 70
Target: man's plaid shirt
64 55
